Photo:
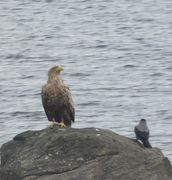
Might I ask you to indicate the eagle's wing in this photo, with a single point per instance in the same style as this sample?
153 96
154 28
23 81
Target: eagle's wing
62 100
69 104
45 97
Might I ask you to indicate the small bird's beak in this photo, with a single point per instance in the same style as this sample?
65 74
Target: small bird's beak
60 68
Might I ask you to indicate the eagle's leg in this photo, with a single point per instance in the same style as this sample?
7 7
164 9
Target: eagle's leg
61 124
52 124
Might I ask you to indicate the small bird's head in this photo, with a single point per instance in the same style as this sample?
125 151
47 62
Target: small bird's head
55 70
143 121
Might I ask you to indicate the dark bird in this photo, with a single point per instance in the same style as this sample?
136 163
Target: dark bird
57 100
142 133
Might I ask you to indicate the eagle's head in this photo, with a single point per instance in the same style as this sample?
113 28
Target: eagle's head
55 70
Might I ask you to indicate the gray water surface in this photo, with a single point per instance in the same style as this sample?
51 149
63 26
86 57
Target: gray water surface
117 58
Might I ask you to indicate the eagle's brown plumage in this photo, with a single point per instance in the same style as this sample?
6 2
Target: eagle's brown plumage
56 98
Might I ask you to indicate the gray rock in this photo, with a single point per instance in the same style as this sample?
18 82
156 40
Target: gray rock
80 154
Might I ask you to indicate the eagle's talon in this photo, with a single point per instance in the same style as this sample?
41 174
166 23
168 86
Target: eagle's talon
52 124
62 125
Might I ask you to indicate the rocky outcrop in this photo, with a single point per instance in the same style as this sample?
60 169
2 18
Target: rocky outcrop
80 154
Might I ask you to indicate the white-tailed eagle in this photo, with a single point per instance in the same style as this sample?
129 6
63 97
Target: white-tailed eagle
57 100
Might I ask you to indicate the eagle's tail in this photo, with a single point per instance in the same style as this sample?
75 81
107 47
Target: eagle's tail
146 143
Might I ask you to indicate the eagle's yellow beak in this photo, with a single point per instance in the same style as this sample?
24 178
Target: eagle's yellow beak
60 68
